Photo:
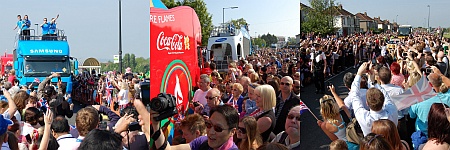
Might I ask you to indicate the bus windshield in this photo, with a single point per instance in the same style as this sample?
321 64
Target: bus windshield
45 67
404 30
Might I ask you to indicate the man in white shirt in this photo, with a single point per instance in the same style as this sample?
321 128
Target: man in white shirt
61 128
348 80
203 83
378 100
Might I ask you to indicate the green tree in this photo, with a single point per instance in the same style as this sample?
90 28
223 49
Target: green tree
319 18
202 12
260 42
270 39
239 22
132 61
291 41
126 60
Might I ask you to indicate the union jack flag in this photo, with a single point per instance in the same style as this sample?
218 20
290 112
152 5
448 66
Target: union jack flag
303 107
419 92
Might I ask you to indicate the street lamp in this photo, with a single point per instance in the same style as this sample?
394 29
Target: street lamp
37 28
223 12
428 17
120 35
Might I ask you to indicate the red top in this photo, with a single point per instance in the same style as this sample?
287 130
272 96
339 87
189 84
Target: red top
11 79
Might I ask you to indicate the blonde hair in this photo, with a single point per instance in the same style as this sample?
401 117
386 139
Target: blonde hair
238 86
414 77
268 96
254 77
329 108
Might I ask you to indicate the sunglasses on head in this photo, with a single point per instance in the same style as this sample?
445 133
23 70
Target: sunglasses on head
373 138
291 116
283 83
242 130
209 125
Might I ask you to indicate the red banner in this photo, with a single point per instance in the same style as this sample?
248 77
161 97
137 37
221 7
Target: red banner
174 37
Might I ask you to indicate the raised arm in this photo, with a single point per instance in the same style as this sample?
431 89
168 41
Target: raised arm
48 119
12 108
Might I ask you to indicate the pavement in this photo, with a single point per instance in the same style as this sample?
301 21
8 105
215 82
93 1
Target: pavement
312 137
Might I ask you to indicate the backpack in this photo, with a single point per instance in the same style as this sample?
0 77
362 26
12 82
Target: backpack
353 130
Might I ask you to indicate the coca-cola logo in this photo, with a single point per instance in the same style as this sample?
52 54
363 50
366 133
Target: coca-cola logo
169 42
9 63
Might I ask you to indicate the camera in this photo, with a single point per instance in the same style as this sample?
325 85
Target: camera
428 70
329 83
165 105
133 126
404 54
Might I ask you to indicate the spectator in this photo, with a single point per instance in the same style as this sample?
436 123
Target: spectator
338 145
296 88
397 77
438 128
60 130
199 95
265 101
4 123
421 110
250 104
272 146
12 77
388 129
220 130
285 101
213 100
375 142
31 124
248 133
101 139
87 119
123 96
193 126
379 102
290 137
245 81
236 98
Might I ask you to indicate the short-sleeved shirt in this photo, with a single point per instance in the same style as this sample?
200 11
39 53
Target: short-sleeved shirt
19 24
45 28
27 24
199 96
67 142
52 27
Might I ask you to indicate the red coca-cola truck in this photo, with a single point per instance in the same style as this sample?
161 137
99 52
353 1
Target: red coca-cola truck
6 63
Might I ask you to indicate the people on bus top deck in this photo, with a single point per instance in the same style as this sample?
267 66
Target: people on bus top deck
26 27
19 23
45 27
53 26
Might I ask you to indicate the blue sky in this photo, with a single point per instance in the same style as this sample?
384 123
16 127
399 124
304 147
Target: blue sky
92 25
282 17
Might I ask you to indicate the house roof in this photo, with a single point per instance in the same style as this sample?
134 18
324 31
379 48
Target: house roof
303 6
378 20
363 17
342 11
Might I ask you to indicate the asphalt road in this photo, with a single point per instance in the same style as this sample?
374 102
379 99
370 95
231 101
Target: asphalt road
312 137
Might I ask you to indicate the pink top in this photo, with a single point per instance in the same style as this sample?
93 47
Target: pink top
398 80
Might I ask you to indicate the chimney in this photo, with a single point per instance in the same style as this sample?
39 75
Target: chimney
340 6
365 13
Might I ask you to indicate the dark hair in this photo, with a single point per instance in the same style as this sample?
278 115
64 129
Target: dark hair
229 112
385 75
101 139
32 115
52 143
12 141
438 126
374 142
348 79
272 146
60 125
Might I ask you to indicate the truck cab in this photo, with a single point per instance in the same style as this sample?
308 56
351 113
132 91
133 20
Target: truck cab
6 64
37 58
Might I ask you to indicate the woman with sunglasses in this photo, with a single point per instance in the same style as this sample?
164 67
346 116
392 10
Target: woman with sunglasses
248 134
333 124
291 136
375 142
220 128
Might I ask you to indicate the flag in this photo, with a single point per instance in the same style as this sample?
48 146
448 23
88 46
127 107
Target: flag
303 107
419 92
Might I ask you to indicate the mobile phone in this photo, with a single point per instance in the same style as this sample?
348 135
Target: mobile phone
28 137
404 54
102 125
59 78
374 61
428 70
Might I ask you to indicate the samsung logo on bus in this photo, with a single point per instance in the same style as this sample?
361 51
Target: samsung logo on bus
221 39
46 51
